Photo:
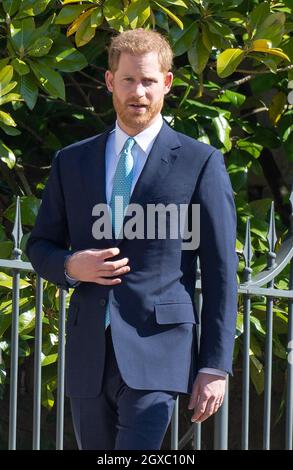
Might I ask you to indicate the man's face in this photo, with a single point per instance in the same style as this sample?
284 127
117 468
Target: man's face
138 88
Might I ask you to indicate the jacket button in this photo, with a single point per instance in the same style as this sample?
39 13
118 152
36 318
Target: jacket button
102 302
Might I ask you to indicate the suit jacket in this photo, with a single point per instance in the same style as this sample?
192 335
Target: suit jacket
153 314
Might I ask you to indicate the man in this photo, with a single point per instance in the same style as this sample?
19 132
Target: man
131 343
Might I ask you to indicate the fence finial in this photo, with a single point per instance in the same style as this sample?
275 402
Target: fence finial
17 231
272 236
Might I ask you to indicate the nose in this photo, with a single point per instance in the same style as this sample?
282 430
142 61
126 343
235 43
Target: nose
139 90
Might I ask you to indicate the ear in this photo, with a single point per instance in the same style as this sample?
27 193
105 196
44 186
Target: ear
168 82
109 80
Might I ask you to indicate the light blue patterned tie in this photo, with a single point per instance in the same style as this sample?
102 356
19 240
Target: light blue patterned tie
121 194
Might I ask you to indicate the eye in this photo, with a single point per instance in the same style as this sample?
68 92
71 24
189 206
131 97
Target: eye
149 81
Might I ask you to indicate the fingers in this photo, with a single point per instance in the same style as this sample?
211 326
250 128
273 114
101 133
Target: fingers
114 272
108 253
206 408
114 265
207 396
200 409
108 282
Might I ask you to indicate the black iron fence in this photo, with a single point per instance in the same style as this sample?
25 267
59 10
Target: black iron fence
262 284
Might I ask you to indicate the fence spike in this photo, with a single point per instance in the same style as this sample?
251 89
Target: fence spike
272 236
247 249
17 231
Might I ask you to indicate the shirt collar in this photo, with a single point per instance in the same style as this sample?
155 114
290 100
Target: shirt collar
144 139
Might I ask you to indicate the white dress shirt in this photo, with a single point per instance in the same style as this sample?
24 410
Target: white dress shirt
140 151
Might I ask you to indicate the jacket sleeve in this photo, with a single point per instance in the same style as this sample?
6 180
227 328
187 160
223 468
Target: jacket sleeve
218 262
48 244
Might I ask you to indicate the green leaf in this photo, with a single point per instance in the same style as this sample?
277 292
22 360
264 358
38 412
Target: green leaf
203 109
8 88
178 3
76 23
223 130
21 33
50 359
20 66
239 325
258 326
198 55
228 61
170 14
257 16
24 349
250 147
2 234
6 75
270 62
26 319
138 12
68 60
237 99
184 38
277 107
69 13
40 47
28 90
278 349
6 155
29 210
85 33
212 33
266 137
7 119
34 7
9 131
50 80
97 17
4 62
48 398
272 28
221 29
9 98
257 374
114 15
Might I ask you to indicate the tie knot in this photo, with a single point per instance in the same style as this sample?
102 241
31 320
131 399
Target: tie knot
128 144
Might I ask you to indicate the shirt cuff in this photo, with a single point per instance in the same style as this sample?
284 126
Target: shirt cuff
208 370
71 281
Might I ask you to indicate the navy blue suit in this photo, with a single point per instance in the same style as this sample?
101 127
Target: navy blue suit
153 315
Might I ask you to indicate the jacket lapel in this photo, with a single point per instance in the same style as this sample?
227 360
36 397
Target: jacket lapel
158 165
93 171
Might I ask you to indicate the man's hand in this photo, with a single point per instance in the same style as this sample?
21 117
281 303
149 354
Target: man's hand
91 266
207 396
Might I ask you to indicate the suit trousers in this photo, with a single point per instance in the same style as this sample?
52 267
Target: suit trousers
121 418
